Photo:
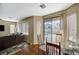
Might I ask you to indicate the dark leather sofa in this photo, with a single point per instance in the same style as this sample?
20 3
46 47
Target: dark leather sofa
8 41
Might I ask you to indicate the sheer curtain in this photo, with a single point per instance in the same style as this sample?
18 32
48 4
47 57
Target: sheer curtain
23 28
72 28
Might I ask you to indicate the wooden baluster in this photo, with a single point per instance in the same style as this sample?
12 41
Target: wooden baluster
52 51
53 48
46 47
59 48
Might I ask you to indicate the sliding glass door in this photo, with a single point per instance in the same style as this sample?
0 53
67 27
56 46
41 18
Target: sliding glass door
53 29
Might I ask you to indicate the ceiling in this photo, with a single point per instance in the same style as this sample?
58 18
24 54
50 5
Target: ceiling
17 11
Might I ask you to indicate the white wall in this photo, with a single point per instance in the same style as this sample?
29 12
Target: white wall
6 24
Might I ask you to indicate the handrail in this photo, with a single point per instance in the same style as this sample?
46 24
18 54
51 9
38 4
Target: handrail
54 45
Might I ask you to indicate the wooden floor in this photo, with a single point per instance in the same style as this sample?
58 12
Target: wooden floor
31 50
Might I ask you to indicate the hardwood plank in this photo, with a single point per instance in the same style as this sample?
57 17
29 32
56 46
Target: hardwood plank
31 50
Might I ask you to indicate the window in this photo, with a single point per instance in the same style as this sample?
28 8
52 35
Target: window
72 29
25 29
12 29
56 25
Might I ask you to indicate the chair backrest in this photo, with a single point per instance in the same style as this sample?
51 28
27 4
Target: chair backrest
53 49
